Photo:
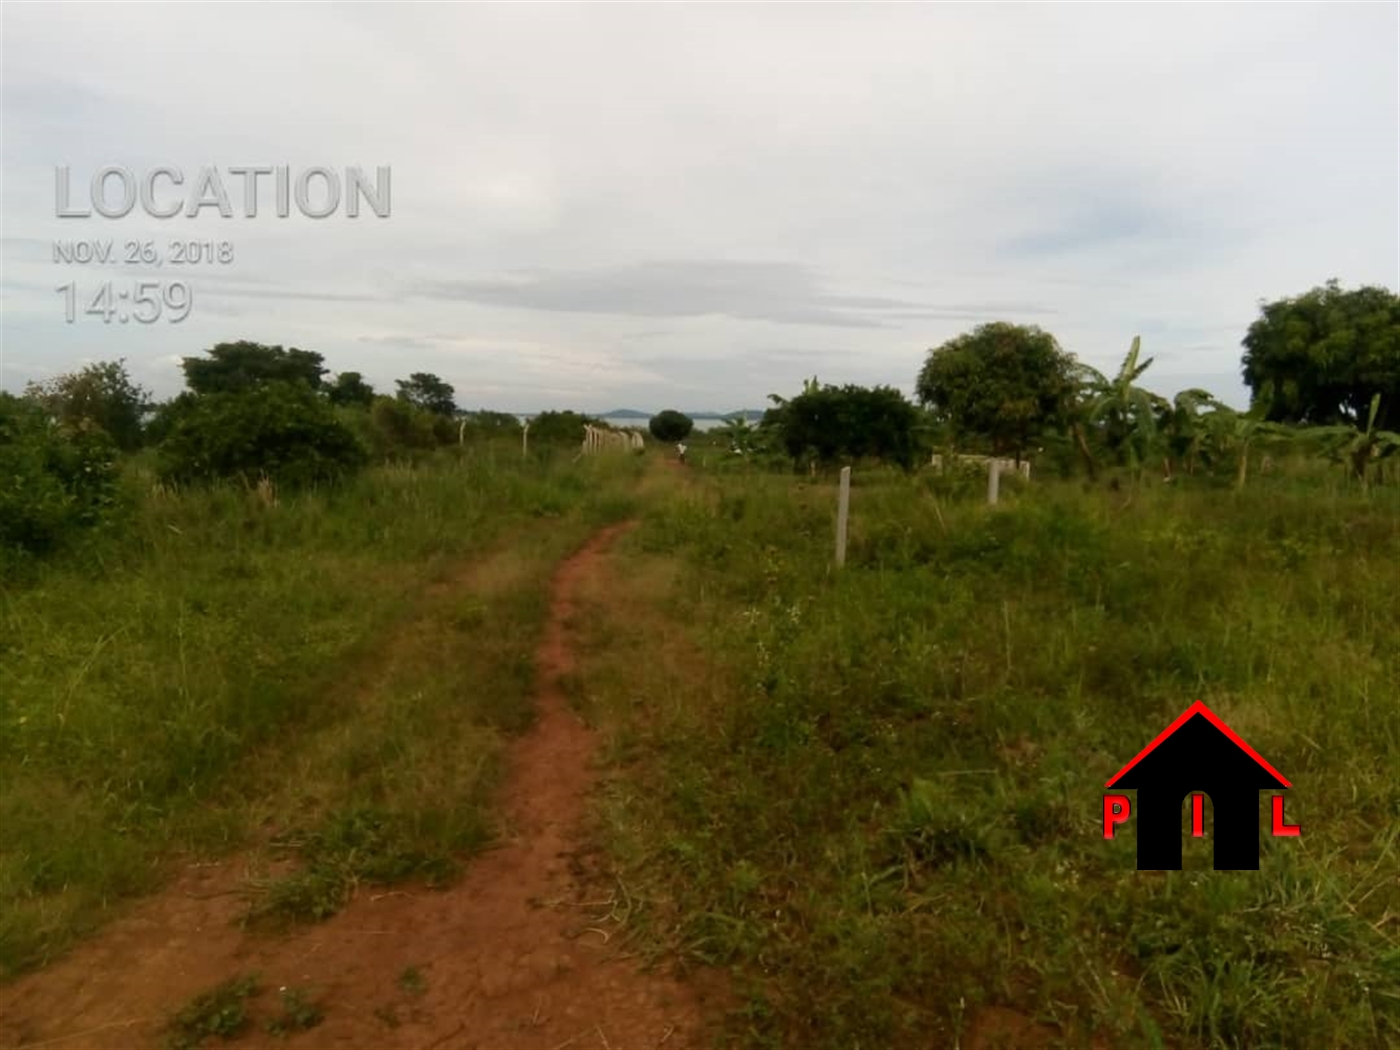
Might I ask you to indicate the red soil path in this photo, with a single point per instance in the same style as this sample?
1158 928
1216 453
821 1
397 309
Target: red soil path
515 955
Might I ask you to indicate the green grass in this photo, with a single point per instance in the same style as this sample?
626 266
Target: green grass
875 794
328 680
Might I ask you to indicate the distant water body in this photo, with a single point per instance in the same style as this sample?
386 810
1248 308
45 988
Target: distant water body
641 424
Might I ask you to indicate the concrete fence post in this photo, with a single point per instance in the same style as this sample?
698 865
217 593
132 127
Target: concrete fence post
843 509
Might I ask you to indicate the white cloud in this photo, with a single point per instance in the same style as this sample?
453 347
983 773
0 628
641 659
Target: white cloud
864 181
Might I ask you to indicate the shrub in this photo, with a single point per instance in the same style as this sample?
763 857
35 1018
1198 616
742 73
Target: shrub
102 395
54 478
670 425
283 430
397 426
559 428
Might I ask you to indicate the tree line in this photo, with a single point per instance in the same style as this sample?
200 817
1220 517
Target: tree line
248 411
1323 371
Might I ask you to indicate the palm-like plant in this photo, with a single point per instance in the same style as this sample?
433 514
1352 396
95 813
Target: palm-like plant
1185 427
1356 446
740 435
1126 412
1231 433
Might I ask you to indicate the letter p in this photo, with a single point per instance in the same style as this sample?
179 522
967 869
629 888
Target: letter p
1116 810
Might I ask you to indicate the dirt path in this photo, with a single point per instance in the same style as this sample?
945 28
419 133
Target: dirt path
515 955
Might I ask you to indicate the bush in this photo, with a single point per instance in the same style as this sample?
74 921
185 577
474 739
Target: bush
671 425
283 430
398 426
558 428
54 478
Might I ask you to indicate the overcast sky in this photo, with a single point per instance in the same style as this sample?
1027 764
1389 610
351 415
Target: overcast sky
607 205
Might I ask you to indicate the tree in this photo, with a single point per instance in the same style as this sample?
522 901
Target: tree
241 366
1002 381
287 432
831 423
1327 353
55 477
670 425
425 390
350 388
101 394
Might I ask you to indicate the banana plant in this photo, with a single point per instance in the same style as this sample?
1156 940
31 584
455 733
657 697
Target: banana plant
1126 412
1231 433
1357 446
1185 427
809 386
739 435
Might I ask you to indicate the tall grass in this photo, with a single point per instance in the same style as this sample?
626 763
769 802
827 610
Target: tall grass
326 667
876 793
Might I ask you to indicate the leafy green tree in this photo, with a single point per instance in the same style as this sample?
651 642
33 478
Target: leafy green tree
1327 354
286 431
850 422
101 394
1006 382
350 388
55 477
670 425
428 392
164 415
241 366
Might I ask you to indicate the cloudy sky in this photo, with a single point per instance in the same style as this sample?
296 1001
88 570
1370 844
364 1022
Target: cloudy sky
605 204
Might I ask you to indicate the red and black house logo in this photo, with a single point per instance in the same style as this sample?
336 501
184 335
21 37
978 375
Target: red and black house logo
1197 755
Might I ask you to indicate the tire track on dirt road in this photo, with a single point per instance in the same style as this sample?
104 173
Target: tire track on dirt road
513 955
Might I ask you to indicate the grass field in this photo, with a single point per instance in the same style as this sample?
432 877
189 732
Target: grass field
874 794
224 673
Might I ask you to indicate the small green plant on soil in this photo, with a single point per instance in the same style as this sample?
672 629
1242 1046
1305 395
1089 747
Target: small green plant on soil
298 1013
221 1011
412 982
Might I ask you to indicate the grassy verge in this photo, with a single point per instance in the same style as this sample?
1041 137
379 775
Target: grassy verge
334 673
876 794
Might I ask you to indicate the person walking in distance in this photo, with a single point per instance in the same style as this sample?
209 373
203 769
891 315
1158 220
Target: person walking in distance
680 450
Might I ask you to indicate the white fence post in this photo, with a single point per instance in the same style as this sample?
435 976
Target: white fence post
525 442
993 480
843 508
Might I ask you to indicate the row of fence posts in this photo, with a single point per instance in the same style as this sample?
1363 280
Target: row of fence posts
843 504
